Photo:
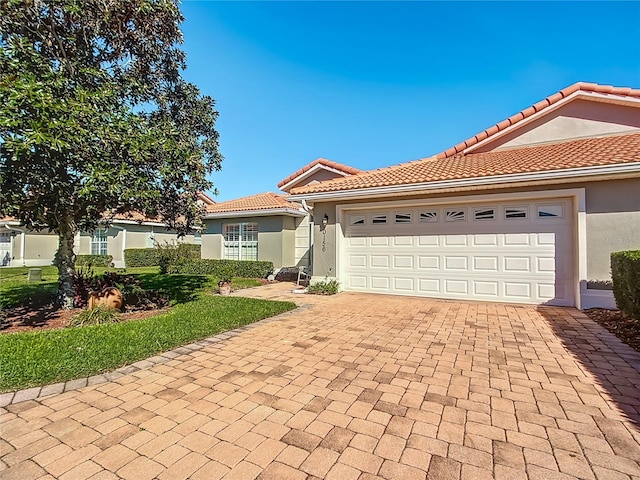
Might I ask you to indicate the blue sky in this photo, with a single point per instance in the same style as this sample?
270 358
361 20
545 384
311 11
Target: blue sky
372 84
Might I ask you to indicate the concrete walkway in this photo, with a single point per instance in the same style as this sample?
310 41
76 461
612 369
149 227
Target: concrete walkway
352 386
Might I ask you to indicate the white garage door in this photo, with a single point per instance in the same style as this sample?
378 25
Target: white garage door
519 252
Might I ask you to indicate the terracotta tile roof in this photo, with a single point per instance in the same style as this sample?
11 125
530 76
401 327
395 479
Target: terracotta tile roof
262 201
541 105
615 149
320 161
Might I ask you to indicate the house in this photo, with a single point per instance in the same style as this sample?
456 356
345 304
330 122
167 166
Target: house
23 247
527 211
268 226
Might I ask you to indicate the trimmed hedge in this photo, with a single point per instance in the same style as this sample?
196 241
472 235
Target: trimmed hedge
141 257
625 272
221 268
94 260
172 254
190 250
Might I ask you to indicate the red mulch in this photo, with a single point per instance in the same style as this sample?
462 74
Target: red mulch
622 326
50 317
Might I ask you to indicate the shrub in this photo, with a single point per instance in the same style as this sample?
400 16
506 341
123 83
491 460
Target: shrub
95 316
134 296
625 273
172 254
324 288
140 257
190 250
223 268
84 280
95 260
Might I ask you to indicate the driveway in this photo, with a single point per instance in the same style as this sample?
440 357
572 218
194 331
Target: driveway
354 386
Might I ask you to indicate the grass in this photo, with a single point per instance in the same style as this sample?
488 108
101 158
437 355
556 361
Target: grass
15 290
40 358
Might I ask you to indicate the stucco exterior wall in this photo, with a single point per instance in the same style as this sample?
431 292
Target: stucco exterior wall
212 239
40 248
613 223
324 241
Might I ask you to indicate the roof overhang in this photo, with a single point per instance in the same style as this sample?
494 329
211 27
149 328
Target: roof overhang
10 223
135 222
603 172
267 212
580 94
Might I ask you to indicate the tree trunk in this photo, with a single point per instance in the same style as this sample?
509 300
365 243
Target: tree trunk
66 262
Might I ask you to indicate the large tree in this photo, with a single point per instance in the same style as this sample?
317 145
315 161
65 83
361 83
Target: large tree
96 119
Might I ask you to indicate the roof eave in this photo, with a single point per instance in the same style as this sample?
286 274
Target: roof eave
136 222
267 212
494 181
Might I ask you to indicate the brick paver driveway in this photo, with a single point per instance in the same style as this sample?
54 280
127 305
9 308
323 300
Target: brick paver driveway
353 386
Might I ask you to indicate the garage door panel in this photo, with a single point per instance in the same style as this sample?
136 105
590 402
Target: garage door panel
456 287
517 289
403 241
379 241
429 285
379 261
546 290
403 261
403 284
485 264
482 240
357 241
517 264
429 262
428 241
516 239
455 263
486 288
380 282
357 260
525 260
357 282
545 264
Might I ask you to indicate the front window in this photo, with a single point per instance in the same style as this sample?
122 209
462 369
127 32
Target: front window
99 242
241 241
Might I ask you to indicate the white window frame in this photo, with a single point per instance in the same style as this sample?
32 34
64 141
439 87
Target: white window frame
243 245
99 242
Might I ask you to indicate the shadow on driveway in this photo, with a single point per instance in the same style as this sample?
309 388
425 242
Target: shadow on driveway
615 365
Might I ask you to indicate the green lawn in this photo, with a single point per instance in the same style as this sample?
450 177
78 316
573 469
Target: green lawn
51 356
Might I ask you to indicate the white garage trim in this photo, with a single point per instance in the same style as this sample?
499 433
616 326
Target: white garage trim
579 222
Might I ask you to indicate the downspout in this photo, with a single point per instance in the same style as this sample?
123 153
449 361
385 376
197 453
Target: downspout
124 241
22 242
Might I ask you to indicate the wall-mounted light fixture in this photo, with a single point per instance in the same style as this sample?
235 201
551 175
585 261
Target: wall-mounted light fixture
325 219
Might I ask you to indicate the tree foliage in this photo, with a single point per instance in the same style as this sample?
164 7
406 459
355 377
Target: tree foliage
96 119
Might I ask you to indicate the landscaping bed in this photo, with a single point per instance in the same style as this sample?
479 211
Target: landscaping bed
626 328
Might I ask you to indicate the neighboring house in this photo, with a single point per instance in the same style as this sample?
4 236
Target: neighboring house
527 211
268 226
22 247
